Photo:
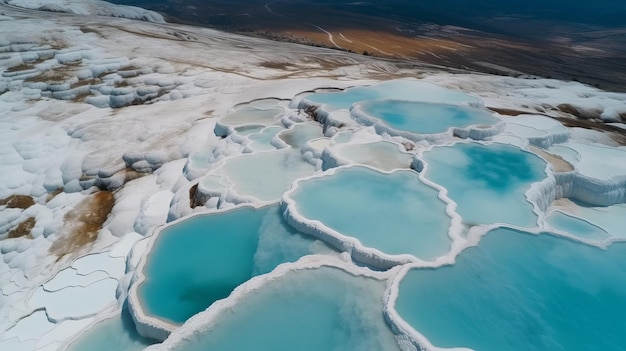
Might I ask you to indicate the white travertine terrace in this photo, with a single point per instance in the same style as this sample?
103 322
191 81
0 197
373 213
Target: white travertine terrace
88 102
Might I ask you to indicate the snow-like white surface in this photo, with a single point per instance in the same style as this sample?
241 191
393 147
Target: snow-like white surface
75 302
68 122
540 131
90 8
594 160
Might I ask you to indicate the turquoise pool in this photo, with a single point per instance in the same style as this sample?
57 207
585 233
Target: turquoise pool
394 213
488 182
519 291
305 310
198 261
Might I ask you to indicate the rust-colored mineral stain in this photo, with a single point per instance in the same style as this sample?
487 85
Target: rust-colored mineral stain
558 163
23 229
277 65
82 224
508 111
17 201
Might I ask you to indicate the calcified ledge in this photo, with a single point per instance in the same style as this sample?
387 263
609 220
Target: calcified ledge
393 319
475 132
321 113
540 194
352 246
597 192
399 326
549 139
147 325
576 186
331 158
204 321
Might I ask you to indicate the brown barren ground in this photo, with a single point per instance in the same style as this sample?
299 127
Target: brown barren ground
82 224
503 45
23 229
17 201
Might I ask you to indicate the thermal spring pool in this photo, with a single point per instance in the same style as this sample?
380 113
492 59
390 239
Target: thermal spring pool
383 155
521 291
487 182
312 309
115 333
394 213
560 221
420 117
300 134
200 260
610 219
262 141
410 90
266 175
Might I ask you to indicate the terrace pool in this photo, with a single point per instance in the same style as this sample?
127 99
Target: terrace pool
521 291
394 213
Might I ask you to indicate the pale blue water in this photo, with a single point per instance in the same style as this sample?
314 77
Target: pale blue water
266 175
425 118
200 260
576 226
300 134
383 155
344 99
309 310
518 291
279 243
610 219
249 129
261 141
488 182
396 89
117 333
395 213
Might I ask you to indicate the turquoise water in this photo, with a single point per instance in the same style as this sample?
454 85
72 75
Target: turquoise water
518 291
576 226
309 310
395 213
410 90
425 118
610 218
344 99
200 260
488 182
279 243
117 333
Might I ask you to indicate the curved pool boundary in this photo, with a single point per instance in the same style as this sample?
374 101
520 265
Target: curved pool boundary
344 243
205 320
148 325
